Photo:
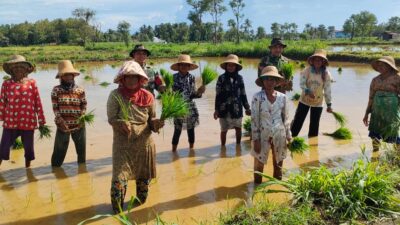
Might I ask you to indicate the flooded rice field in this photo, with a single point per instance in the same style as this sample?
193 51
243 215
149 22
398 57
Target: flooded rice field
191 186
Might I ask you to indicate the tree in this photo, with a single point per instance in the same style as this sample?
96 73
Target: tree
123 29
84 13
276 30
360 25
393 24
237 9
195 16
261 33
247 31
216 10
331 31
322 32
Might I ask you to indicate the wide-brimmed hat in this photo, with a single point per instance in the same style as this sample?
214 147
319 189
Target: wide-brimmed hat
184 59
268 71
139 47
66 67
277 41
319 53
232 58
17 60
130 68
389 60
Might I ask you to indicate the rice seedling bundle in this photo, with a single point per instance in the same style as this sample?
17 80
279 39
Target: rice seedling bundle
173 106
340 118
6 77
339 69
18 144
247 125
296 96
168 78
125 108
287 70
44 132
302 65
87 78
341 133
104 84
298 145
208 75
87 118
82 70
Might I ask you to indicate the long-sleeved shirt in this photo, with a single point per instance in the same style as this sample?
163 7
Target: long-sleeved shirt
20 105
312 82
390 84
230 96
68 106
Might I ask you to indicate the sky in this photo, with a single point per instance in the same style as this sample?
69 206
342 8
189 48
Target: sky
152 12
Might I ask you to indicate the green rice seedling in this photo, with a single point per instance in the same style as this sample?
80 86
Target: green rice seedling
302 65
342 133
82 70
168 79
288 70
247 125
298 146
6 77
296 96
44 132
340 118
88 77
339 69
105 84
126 110
364 192
18 144
208 75
173 106
87 118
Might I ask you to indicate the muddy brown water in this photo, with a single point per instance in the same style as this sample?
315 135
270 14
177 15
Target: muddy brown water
191 186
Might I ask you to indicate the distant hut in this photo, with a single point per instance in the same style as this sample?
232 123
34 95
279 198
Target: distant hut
387 36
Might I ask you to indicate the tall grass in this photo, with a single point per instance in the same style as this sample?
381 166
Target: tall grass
363 192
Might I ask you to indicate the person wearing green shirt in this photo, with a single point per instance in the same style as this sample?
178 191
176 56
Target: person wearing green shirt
140 54
275 58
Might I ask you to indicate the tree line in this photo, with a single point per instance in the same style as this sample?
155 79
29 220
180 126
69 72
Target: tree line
82 28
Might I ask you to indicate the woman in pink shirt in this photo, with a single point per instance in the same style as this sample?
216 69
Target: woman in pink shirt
20 108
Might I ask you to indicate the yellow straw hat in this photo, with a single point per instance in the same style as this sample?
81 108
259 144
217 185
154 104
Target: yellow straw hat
319 53
186 60
17 60
66 67
385 59
268 71
232 58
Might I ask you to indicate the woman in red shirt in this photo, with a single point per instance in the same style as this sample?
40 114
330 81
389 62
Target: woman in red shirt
20 108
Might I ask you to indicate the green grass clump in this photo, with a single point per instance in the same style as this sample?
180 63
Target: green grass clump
208 75
87 118
44 132
364 192
340 118
296 96
168 79
298 146
104 84
6 77
247 125
87 78
342 133
18 144
173 106
288 71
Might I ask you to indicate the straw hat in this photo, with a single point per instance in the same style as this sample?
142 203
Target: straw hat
319 53
66 67
385 59
17 60
139 47
130 68
184 59
277 41
232 59
268 71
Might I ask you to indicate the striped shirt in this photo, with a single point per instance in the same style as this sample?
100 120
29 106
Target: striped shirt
68 106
